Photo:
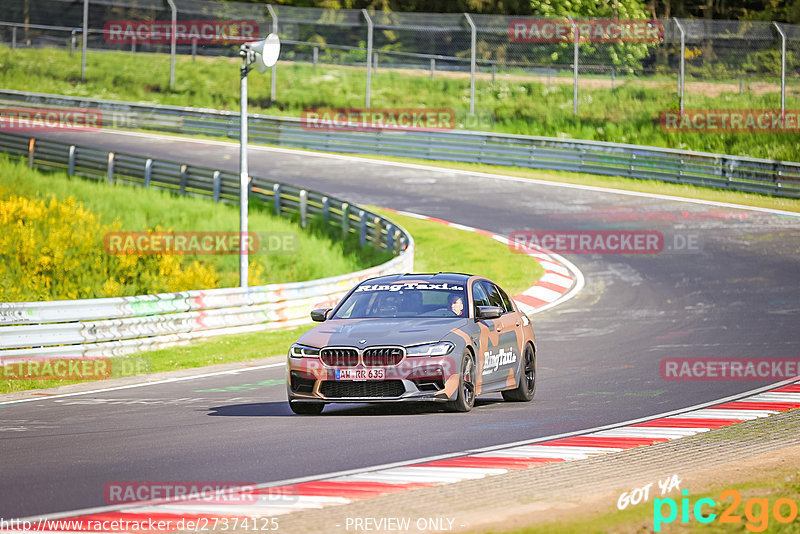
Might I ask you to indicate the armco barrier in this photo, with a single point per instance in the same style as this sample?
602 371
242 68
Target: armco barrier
573 155
117 326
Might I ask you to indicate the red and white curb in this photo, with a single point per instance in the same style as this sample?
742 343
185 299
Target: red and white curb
271 500
561 281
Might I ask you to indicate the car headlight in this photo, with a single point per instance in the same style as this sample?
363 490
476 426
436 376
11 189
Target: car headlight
303 351
430 349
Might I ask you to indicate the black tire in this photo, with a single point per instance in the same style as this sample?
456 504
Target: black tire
307 408
466 385
527 381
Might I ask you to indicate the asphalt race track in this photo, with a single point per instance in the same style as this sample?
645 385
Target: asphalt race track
735 296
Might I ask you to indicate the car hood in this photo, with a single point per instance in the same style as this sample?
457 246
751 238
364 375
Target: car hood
350 332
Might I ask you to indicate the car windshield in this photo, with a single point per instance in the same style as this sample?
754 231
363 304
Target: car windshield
405 299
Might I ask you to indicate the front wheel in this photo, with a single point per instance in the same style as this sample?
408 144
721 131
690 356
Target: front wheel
527 382
306 408
466 385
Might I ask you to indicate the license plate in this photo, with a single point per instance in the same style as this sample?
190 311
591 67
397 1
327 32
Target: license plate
360 374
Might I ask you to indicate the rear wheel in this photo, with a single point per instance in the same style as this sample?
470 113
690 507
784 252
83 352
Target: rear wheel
306 408
527 381
466 385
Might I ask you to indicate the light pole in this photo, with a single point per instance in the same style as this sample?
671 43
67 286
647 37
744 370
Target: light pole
263 54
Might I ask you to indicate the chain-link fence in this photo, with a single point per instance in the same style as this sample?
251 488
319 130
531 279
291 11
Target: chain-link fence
697 57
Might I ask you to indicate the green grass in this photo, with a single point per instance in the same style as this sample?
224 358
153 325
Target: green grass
438 248
517 104
139 209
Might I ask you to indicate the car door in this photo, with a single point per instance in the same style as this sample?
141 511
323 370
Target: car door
502 354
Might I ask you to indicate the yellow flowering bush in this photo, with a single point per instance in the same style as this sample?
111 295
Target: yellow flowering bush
51 249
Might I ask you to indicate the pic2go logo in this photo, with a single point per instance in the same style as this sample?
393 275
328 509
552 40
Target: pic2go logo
757 511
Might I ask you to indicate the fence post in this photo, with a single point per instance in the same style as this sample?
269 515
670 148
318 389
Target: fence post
194 49
276 198
375 62
133 44
273 83
741 83
31 148
681 78
433 67
13 37
148 171
472 52
71 164
84 36
326 209
613 75
369 56
172 43
783 69
303 207
494 65
73 42
315 56
345 220
576 40
217 177
110 177
184 177
362 239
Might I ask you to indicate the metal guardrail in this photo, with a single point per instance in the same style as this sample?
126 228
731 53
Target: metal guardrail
739 173
117 326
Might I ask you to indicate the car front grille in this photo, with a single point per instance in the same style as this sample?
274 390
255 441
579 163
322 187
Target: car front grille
340 389
339 357
382 356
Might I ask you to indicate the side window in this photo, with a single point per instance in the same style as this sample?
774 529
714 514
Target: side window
493 292
506 301
479 296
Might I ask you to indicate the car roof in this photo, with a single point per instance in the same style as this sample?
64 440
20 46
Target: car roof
421 277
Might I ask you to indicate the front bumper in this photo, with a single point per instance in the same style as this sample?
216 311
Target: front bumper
412 379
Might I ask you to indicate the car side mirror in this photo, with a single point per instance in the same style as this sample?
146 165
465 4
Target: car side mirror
320 315
489 312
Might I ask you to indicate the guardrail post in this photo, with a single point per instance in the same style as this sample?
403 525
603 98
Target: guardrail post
110 176
217 185
326 213
345 220
390 230
71 161
148 171
472 52
303 207
276 198
369 56
184 177
362 238
397 243
31 148
378 233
